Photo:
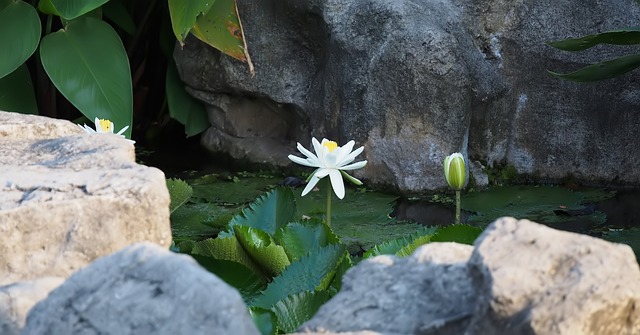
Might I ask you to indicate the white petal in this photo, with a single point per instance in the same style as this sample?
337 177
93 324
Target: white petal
301 161
356 165
305 152
337 183
317 147
330 159
97 122
122 130
351 157
310 185
345 150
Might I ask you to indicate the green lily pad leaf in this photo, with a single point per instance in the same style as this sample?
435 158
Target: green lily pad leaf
625 36
299 238
265 320
179 191
16 92
459 233
314 272
75 58
116 11
184 14
392 247
199 221
20 31
221 29
234 191
247 282
262 249
336 283
69 9
602 70
269 212
228 249
295 309
630 237
182 106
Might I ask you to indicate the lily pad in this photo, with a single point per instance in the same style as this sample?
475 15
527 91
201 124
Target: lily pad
199 221
631 237
231 190
544 204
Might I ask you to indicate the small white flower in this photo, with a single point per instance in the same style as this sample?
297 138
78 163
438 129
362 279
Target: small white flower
104 126
330 160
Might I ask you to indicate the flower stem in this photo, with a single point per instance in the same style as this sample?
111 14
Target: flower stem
328 203
457 207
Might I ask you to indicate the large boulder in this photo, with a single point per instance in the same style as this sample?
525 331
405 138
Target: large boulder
519 278
17 299
67 198
414 81
142 289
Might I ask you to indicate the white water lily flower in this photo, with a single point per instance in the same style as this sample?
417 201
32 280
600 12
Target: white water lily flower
330 160
104 126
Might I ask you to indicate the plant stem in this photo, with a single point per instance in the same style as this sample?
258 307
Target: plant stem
328 203
457 207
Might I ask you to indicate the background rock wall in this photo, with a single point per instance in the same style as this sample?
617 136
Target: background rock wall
414 81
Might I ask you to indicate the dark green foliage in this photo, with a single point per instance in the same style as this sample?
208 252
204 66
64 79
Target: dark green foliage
606 69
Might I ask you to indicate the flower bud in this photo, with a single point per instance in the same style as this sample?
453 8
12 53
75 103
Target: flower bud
454 171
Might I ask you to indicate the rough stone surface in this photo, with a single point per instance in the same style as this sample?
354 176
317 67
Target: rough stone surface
17 299
532 279
414 81
142 289
428 292
65 201
520 278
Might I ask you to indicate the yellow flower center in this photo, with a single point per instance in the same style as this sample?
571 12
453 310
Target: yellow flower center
331 145
105 125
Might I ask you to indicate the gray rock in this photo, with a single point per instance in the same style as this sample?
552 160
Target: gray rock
65 201
428 292
520 278
414 81
142 289
17 299
532 279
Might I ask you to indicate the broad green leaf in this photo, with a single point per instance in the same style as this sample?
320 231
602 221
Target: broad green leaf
262 249
116 11
269 212
411 247
87 62
16 92
602 70
221 29
459 233
300 238
184 14
265 320
392 247
618 37
297 308
20 31
228 249
69 9
336 283
313 272
247 282
182 106
179 191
